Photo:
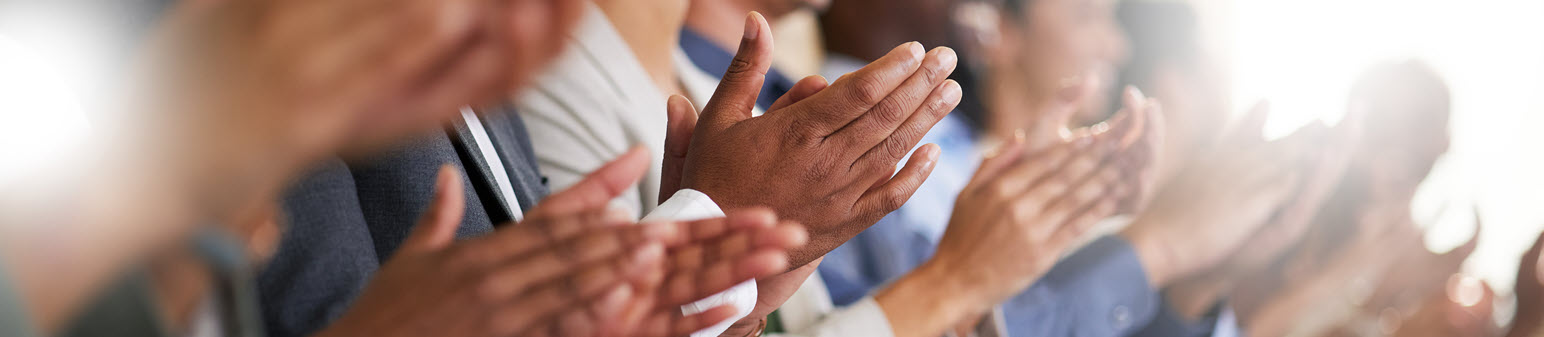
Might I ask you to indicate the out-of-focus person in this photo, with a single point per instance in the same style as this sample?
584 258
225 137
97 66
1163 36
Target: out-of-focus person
209 125
1366 226
1112 285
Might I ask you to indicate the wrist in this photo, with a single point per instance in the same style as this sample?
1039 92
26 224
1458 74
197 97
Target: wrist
1157 256
930 300
1194 297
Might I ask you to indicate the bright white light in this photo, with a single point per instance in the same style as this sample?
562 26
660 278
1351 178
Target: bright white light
40 118
1303 55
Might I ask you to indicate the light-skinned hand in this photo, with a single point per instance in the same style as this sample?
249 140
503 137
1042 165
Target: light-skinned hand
1216 203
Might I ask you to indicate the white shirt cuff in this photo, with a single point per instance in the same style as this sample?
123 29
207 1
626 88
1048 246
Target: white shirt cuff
688 205
862 318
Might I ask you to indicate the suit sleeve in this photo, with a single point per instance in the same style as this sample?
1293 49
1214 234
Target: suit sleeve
327 246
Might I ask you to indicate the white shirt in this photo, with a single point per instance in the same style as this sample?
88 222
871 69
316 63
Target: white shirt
595 103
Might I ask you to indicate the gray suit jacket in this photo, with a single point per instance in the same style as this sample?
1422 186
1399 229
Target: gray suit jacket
347 217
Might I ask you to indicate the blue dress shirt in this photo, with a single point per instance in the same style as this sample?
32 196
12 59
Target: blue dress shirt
1101 290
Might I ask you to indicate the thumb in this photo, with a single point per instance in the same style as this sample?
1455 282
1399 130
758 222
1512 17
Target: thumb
682 120
737 91
437 227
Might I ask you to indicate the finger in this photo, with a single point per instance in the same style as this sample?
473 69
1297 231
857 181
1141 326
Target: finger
597 188
852 95
1081 220
1052 173
1086 192
996 161
556 296
878 127
558 259
888 196
689 285
472 80
1133 117
668 321
565 228
803 89
436 229
681 120
427 37
939 103
736 95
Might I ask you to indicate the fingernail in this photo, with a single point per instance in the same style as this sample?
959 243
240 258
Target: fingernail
932 159
1019 136
952 92
915 48
946 57
752 29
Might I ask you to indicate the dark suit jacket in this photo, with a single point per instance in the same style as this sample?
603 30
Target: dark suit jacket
347 217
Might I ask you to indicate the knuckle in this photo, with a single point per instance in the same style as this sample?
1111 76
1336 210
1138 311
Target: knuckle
739 70
935 104
892 201
1022 210
868 90
997 191
895 147
813 174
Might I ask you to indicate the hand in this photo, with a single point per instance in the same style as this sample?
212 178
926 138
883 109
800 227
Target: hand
712 256
1012 222
570 269
1529 290
1322 172
244 91
1138 128
1210 208
822 156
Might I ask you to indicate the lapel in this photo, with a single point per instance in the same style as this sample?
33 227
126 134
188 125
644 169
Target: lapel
512 144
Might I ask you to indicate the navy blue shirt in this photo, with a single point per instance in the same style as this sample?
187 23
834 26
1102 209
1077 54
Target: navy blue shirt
715 60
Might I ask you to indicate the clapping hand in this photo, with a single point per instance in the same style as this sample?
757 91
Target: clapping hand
571 268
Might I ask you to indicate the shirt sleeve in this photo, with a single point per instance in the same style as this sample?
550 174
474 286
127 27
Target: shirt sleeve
686 205
13 315
1100 290
862 318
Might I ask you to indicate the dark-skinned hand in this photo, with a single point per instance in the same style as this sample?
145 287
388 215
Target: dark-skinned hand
571 268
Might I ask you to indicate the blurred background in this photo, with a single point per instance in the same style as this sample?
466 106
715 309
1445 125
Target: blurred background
1303 56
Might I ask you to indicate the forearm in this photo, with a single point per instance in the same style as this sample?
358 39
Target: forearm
929 301
1193 297
1155 254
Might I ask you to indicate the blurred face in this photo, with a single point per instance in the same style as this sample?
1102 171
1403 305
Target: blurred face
1067 48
